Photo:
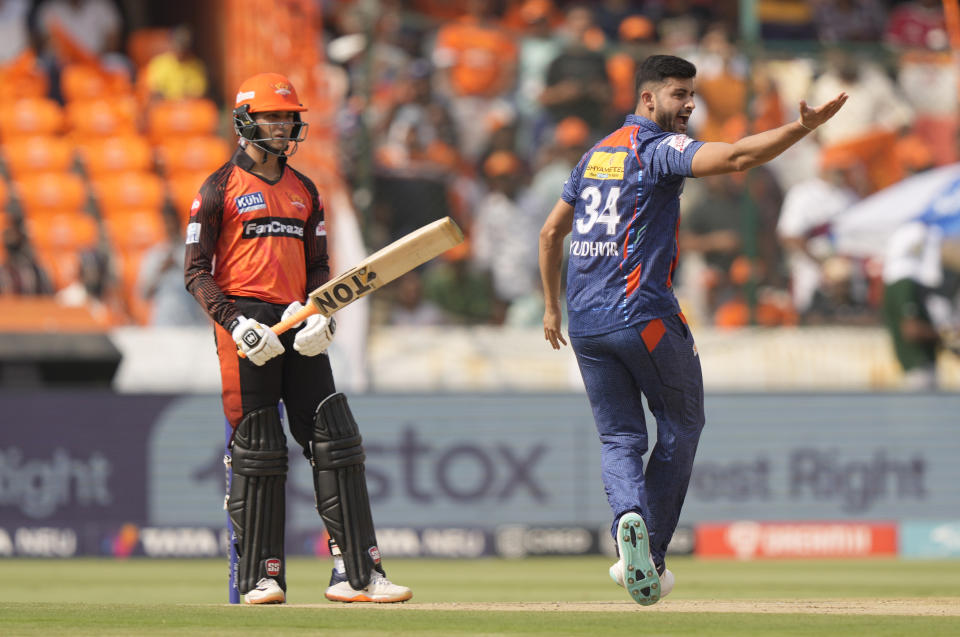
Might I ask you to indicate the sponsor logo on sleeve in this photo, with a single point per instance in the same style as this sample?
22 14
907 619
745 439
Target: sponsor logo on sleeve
195 205
322 228
604 165
250 202
193 233
678 142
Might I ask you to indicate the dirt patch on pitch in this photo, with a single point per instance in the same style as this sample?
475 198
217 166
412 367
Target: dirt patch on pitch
925 607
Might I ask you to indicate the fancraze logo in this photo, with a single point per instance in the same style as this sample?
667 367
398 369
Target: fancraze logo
273 227
605 165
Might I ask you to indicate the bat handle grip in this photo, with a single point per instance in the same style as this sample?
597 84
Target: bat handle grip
305 312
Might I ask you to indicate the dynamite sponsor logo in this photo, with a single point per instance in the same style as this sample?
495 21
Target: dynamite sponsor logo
374 553
678 142
351 286
322 228
605 165
250 202
594 249
273 227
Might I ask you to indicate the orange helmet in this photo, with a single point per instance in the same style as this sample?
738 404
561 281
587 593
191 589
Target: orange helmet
268 92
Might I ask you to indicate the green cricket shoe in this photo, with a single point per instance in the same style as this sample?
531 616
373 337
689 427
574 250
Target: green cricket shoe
640 576
667 578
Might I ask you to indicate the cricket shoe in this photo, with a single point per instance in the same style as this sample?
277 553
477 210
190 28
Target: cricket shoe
267 591
639 572
666 578
380 590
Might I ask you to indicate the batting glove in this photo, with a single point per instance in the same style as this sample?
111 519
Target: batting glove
315 337
258 342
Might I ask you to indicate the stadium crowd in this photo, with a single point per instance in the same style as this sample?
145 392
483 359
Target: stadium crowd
479 109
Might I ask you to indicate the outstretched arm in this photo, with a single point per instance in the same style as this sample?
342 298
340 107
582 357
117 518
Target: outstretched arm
555 229
714 158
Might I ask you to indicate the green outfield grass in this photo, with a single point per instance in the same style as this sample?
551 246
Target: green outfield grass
573 596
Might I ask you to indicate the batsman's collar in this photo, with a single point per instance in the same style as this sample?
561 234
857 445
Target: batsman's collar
245 161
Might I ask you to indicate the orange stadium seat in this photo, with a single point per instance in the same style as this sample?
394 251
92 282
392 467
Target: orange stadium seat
67 230
102 118
121 193
4 200
146 43
84 82
136 230
47 193
168 119
182 189
30 117
128 264
104 156
18 84
29 155
202 154
58 238
130 236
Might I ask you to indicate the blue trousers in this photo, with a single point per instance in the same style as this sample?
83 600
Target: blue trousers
659 360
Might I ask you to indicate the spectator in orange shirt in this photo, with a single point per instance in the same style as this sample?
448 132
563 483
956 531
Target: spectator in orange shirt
637 37
478 60
722 87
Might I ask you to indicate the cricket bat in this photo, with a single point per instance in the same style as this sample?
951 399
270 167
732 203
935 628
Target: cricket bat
380 268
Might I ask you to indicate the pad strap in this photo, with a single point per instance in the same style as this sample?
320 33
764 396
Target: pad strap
257 498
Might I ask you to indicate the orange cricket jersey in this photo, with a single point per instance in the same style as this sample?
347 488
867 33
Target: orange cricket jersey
255 238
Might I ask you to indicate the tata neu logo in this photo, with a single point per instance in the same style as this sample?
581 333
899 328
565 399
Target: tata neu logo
755 540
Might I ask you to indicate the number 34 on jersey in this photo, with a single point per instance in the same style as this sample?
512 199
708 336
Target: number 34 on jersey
605 216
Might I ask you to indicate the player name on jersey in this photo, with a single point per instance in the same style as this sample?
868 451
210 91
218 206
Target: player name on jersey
594 249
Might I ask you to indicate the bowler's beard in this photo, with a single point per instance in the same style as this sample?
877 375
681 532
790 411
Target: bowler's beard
666 122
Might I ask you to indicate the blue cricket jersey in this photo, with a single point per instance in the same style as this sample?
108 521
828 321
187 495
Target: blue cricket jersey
623 248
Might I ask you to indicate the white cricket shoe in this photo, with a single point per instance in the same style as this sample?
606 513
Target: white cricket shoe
666 578
266 592
380 590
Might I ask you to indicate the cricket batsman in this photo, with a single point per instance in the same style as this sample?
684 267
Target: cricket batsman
256 243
